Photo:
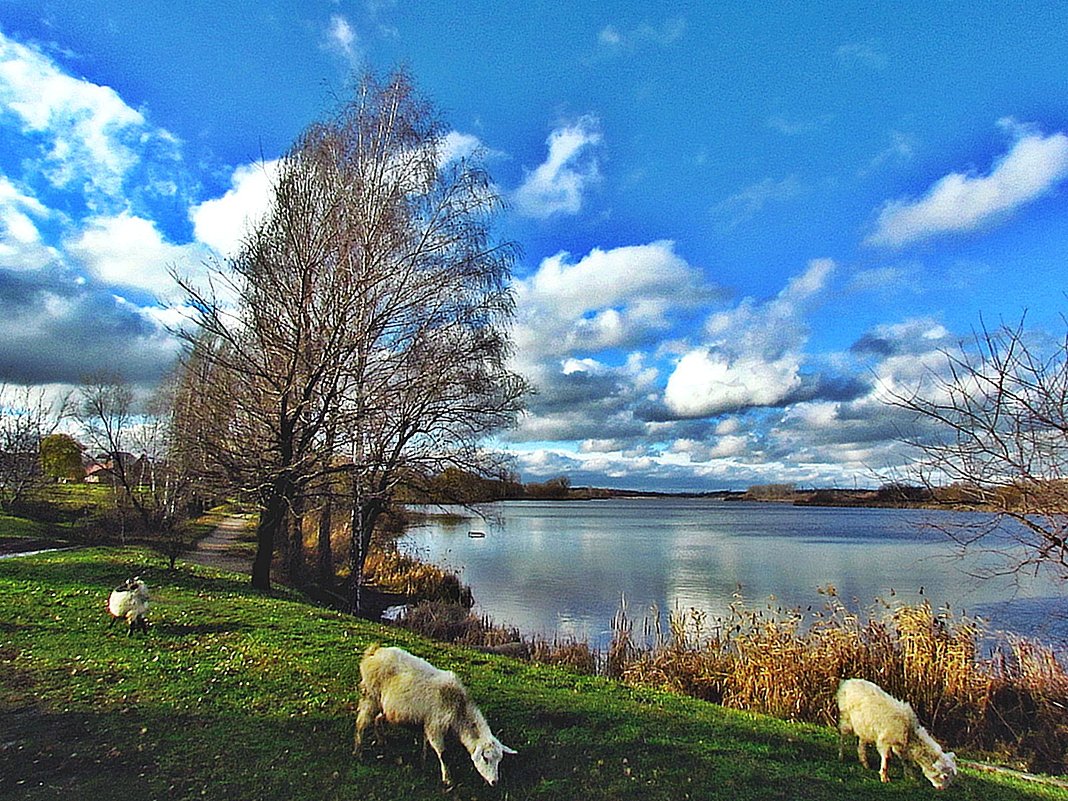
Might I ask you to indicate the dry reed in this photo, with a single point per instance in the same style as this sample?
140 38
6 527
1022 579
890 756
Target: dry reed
1003 695
390 570
788 662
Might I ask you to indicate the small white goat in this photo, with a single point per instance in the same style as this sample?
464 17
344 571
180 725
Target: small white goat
399 688
875 716
130 600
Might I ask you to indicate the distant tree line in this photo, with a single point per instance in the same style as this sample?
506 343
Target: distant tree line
456 486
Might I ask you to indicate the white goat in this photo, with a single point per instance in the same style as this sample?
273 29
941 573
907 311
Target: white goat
399 688
874 716
130 600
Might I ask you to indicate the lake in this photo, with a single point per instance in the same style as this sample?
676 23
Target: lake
562 569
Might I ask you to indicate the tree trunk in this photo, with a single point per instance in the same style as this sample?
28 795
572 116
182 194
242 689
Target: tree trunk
356 554
364 516
272 518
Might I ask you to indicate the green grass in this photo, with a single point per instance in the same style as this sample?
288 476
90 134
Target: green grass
21 528
239 695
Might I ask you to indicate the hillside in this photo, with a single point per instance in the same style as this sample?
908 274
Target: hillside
237 695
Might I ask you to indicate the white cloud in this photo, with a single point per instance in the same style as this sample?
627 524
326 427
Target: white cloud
774 326
961 202
707 383
747 203
87 133
574 323
609 298
609 35
127 250
459 146
867 54
901 149
724 447
663 35
341 38
21 245
559 184
223 223
754 355
573 365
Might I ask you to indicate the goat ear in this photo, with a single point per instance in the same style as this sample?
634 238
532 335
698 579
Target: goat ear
506 749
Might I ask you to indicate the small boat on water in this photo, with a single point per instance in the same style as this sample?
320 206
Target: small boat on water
476 535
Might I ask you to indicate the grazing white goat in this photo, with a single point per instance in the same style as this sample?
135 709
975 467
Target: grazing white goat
130 600
397 687
875 716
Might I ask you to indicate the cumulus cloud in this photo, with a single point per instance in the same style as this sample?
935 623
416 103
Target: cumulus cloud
223 223
21 244
585 331
608 298
862 435
827 432
82 242
728 446
558 186
127 250
707 383
754 356
961 202
459 146
55 328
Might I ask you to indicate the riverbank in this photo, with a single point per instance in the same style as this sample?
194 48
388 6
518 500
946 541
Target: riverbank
236 694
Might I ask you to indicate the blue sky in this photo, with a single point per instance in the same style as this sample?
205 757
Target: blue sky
741 227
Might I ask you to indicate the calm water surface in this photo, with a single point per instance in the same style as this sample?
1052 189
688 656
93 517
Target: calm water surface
562 568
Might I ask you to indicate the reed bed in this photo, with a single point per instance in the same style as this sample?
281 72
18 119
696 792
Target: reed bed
452 622
1008 699
997 694
391 570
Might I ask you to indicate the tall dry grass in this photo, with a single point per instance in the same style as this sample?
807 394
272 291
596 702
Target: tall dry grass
1009 698
452 622
998 694
390 570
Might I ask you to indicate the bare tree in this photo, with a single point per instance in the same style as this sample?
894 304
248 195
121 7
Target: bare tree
137 444
268 368
27 415
994 436
370 330
426 377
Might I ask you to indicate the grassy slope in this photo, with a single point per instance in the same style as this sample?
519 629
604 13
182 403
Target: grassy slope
19 528
237 695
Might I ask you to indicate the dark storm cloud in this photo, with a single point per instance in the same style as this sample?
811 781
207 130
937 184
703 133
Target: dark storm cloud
827 387
55 329
566 391
872 345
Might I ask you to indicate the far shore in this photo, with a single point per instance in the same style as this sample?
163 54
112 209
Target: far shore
854 498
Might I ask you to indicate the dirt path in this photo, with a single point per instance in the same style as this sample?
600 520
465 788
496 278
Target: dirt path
228 548
225 548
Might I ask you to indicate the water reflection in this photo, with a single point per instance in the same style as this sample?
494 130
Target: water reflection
561 569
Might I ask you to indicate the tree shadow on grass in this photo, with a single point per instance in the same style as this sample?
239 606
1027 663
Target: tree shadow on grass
150 753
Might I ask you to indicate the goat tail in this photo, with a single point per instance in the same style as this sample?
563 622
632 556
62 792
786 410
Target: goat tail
371 649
